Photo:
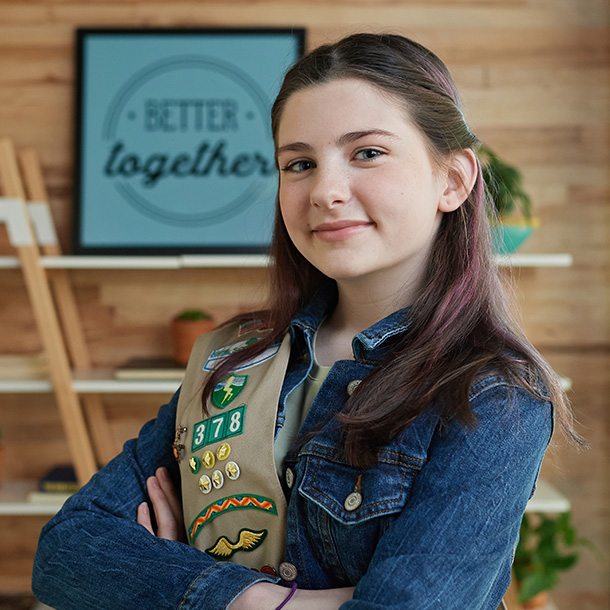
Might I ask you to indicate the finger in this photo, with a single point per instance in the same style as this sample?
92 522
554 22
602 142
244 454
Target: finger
174 500
143 517
166 522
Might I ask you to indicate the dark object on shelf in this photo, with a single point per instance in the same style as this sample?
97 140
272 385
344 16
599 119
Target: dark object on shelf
60 479
150 368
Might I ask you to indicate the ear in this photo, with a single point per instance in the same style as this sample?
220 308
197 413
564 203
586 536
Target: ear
461 174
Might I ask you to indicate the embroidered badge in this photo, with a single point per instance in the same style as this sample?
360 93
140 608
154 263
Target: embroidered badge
218 428
227 350
214 358
227 390
229 504
251 325
248 541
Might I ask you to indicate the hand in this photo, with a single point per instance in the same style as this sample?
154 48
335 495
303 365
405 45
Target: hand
167 506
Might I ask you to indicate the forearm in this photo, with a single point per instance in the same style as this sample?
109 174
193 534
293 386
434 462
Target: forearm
267 596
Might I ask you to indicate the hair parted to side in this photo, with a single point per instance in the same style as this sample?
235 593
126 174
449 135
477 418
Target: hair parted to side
460 323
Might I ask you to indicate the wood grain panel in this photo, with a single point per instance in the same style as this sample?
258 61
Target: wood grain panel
534 75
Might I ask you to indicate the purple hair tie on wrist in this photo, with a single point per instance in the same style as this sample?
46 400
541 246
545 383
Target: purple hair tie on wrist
292 592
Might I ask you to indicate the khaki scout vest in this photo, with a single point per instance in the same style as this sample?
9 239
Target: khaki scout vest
234 507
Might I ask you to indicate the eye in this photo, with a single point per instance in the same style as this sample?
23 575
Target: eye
298 166
368 154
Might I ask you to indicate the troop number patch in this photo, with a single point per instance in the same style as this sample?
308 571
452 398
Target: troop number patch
217 428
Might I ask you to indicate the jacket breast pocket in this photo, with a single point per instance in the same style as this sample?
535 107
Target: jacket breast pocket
347 510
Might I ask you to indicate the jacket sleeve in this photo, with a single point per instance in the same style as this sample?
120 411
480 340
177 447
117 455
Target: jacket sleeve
453 544
93 554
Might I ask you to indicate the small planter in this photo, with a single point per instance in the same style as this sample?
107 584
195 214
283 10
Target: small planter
511 234
186 328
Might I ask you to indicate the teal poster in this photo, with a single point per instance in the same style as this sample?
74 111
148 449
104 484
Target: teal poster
174 151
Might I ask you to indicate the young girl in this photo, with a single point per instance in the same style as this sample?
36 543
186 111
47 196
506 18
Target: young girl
371 439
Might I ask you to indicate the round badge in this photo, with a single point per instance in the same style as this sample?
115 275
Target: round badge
232 470
194 464
205 485
209 460
222 453
217 479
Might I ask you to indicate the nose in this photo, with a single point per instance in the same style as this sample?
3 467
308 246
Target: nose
330 187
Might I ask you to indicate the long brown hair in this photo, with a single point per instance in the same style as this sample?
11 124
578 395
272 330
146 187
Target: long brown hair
460 323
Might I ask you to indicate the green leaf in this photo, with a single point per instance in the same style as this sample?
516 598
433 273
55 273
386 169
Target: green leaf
535 583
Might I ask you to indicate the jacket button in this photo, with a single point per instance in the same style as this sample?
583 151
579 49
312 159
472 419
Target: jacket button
289 478
287 571
353 501
352 385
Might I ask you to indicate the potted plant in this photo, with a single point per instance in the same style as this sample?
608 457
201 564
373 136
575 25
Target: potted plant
542 553
186 327
513 207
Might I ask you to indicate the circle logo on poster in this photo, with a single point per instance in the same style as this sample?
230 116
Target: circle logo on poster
189 141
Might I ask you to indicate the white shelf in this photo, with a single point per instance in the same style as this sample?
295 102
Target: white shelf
13 500
103 382
93 382
547 499
197 261
535 260
186 261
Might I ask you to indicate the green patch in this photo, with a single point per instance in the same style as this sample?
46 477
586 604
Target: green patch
227 390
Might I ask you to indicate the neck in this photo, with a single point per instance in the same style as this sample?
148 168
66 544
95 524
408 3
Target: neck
359 306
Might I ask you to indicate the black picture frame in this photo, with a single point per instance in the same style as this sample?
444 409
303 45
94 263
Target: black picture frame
173 151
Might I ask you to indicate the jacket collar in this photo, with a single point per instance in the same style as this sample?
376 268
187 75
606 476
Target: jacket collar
367 344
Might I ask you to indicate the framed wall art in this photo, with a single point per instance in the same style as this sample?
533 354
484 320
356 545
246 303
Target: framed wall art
173 149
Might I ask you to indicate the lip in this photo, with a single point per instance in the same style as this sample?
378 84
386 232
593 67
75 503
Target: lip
340 229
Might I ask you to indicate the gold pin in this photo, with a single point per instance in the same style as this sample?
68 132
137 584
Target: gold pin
232 470
177 447
208 460
217 479
205 485
222 453
194 464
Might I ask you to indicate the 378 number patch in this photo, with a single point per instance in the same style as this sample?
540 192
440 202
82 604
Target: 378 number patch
218 428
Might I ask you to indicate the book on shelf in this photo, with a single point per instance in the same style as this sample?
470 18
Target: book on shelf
55 487
150 368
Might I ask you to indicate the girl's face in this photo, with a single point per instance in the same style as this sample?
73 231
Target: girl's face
359 193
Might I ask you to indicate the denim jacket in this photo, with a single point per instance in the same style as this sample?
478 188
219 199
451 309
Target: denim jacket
434 528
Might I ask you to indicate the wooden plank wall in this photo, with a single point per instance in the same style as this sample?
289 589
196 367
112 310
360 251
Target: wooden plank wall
534 75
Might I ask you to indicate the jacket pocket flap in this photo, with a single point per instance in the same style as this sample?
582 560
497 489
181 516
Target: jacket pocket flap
383 490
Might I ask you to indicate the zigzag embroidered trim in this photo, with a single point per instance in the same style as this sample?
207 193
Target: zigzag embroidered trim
228 504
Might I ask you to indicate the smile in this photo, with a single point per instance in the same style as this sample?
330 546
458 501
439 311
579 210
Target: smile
341 229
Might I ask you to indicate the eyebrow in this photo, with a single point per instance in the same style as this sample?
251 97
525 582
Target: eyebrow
346 138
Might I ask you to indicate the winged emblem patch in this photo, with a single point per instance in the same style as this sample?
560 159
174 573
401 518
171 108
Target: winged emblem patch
248 541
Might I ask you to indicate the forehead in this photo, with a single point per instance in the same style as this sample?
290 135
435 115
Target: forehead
338 106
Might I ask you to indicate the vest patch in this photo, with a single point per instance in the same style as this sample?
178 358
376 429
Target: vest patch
228 389
229 504
218 428
248 541
217 355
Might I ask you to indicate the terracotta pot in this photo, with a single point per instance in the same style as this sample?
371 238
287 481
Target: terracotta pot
538 601
184 334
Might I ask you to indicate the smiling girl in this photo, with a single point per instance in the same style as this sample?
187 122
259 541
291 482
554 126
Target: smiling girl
371 439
